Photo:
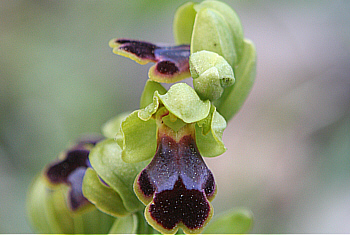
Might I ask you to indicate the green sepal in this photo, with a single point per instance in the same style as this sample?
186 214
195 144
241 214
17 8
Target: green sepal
37 201
102 196
211 32
231 18
137 138
148 92
112 126
211 73
183 23
236 221
132 224
234 96
209 134
125 225
106 160
48 212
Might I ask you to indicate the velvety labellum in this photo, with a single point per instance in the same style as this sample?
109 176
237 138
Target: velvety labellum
171 61
177 185
71 169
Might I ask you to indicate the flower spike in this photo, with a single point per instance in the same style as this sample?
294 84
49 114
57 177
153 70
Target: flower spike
171 61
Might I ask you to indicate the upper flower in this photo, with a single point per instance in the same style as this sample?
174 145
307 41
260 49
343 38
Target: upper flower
177 128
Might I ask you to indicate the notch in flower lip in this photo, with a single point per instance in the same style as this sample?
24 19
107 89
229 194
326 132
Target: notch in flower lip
176 186
171 61
70 170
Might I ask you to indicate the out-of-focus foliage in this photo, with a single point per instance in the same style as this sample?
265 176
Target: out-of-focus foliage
288 148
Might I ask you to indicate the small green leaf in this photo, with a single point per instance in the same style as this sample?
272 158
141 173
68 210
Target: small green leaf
209 134
182 101
237 221
137 138
234 96
106 160
231 18
112 126
212 33
183 23
148 92
102 196
125 225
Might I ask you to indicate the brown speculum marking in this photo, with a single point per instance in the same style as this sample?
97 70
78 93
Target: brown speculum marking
179 182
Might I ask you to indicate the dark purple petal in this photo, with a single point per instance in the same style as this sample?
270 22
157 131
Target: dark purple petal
171 61
180 184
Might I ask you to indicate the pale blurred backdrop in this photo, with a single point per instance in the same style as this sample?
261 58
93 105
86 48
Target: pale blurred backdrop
288 157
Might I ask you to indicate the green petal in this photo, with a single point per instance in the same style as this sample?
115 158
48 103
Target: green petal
148 92
125 225
102 196
106 160
234 96
182 101
183 23
137 138
211 74
238 221
231 18
111 127
212 33
209 134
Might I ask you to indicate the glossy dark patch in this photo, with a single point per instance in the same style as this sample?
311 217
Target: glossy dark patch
145 185
180 182
188 206
167 67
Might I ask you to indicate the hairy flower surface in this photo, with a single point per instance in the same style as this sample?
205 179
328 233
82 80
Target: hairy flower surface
177 185
171 61
176 129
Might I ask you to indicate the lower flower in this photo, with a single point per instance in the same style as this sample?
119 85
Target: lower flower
55 200
176 186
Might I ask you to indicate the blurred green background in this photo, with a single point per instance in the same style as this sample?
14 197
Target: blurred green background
288 157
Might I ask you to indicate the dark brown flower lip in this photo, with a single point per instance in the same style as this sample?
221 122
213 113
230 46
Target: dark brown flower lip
177 185
71 170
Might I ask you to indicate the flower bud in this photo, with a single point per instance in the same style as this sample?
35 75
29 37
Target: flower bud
211 74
